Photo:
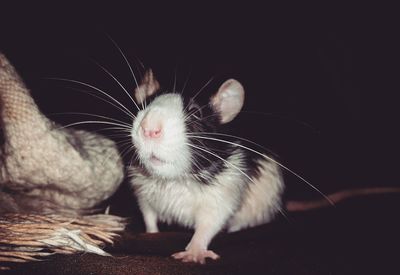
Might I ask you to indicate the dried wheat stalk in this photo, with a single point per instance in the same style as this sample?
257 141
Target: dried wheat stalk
30 237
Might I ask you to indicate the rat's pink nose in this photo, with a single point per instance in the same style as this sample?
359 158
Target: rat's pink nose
150 130
151 133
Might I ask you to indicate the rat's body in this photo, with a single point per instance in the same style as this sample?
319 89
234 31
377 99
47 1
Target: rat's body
199 183
229 201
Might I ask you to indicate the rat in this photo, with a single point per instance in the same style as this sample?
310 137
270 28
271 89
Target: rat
187 174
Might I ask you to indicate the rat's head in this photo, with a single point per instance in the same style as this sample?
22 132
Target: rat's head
163 131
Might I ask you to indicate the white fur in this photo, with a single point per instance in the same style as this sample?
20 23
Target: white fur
188 202
230 201
262 199
171 147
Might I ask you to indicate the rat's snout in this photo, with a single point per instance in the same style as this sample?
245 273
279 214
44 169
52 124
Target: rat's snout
151 127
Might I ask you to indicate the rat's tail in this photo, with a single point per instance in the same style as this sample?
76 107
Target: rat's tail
337 197
30 237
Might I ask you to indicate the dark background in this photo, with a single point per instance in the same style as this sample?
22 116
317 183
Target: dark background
321 81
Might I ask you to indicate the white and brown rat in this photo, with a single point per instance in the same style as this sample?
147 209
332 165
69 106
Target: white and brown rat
187 174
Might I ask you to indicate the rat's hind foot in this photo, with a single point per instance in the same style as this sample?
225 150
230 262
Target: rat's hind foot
195 256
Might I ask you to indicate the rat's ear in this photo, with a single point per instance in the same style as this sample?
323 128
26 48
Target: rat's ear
228 101
148 86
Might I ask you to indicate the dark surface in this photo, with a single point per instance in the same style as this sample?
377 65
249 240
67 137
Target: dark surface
360 236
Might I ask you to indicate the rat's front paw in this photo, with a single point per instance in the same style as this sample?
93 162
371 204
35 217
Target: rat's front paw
195 256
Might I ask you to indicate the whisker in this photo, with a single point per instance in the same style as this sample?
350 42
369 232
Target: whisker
93 122
97 89
119 83
120 144
195 162
110 155
204 118
195 111
93 115
124 142
134 156
174 89
185 118
141 64
184 85
88 92
126 151
225 161
200 155
235 137
201 89
120 137
200 175
126 148
126 60
145 102
283 212
122 132
271 159
205 146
